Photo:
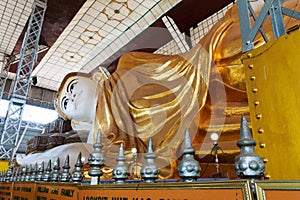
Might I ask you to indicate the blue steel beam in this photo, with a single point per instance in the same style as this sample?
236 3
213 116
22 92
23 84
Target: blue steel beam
274 9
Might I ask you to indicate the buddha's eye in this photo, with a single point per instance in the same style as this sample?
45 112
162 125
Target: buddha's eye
71 85
64 103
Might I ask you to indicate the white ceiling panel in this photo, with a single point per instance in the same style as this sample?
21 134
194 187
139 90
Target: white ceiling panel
13 17
99 29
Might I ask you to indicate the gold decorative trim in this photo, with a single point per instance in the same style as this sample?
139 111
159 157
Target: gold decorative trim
111 16
71 56
90 37
262 186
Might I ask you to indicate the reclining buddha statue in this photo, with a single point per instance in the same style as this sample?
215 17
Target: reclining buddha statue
160 96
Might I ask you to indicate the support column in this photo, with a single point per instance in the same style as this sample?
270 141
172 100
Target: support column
176 34
271 7
5 62
10 135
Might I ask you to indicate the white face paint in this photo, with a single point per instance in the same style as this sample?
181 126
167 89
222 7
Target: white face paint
79 97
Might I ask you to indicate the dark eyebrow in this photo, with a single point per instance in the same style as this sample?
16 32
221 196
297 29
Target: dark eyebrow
62 102
71 83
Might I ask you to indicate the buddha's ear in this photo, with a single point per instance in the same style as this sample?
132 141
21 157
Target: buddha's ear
97 76
102 74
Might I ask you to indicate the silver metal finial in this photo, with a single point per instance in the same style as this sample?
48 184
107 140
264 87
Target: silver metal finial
96 160
65 175
55 174
120 171
23 173
40 172
2 176
47 174
77 174
188 168
19 174
9 174
248 164
34 171
14 177
149 171
27 176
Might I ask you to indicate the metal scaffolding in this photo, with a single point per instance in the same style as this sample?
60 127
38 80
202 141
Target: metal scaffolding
272 8
6 62
10 136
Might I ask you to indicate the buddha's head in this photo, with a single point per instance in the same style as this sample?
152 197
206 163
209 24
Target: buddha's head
77 96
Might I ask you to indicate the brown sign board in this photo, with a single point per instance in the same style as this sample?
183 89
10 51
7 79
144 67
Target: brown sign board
56 191
23 190
228 190
6 191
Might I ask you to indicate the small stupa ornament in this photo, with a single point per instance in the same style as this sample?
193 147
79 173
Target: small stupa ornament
28 174
15 172
55 174
65 175
120 172
188 168
34 171
77 174
23 171
149 171
40 172
47 174
248 164
9 174
19 174
96 160
2 176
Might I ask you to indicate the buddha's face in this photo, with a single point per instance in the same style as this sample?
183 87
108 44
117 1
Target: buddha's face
77 98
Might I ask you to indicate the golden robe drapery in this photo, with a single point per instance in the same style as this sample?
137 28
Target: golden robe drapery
151 95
